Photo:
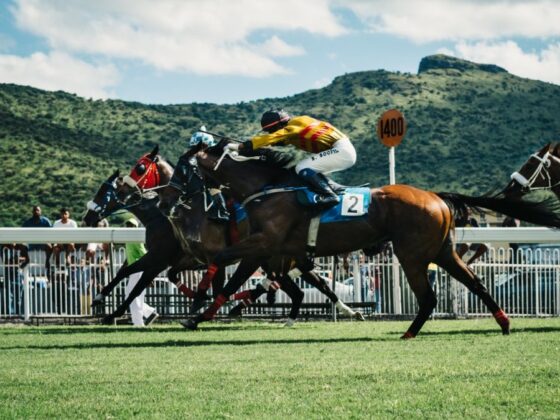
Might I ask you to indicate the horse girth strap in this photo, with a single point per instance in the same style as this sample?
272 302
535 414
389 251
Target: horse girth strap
312 236
269 192
183 240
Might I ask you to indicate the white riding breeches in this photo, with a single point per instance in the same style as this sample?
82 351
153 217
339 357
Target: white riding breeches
341 156
138 309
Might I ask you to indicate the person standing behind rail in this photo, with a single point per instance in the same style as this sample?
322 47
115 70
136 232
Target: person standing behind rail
141 313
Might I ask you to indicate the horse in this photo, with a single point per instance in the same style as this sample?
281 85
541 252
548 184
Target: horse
419 224
540 172
202 238
187 183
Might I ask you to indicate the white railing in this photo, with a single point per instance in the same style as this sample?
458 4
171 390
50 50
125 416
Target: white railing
525 284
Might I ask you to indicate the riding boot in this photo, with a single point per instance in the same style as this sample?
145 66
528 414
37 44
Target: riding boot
218 210
319 183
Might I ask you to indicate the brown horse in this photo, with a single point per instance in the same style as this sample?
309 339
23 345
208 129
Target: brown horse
418 223
540 172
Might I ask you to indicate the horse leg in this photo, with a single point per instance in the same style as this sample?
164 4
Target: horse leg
218 282
173 276
215 276
251 247
246 267
145 280
321 284
140 265
450 262
417 276
288 285
246 297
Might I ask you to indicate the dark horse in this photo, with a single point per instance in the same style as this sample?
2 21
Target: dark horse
419 224
540 172
163 248
188 245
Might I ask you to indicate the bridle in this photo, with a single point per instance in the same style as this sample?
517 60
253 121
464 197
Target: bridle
109 197
541 170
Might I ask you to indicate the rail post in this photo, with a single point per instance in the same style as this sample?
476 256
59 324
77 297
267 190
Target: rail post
26 300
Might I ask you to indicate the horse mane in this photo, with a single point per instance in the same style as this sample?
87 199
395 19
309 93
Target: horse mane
164 160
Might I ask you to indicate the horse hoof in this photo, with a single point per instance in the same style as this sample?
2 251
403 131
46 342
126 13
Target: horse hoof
190 324
108 320
407 336
358 316
236 312
503 321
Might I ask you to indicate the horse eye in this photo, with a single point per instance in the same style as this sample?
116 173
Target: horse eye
140 169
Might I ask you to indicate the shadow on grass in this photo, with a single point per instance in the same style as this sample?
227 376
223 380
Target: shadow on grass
491 331
129 329
198 343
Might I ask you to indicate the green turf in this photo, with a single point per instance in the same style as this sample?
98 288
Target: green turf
454 369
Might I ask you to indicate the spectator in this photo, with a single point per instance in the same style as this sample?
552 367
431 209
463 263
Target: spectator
64 222
375 288
38 220
512 222
479 249
141 313
364 277
93 247
14 258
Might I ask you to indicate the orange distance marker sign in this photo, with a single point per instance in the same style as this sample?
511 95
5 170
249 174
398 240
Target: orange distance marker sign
391 128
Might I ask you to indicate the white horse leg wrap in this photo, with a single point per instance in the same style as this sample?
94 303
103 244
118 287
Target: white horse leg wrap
344 308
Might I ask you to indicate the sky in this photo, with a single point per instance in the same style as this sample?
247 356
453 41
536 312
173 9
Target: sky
229 51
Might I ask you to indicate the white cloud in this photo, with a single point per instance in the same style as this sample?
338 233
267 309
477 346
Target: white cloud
58 71
437 20
275 47
541 65
203 37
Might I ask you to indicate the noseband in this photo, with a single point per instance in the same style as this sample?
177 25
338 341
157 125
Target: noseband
542 170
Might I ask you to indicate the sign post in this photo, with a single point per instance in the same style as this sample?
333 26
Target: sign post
391 129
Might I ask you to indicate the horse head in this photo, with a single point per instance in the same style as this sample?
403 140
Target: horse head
185 182
104 202
540 171
150 171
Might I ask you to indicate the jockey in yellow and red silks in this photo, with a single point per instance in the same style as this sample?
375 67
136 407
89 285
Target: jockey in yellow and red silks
330 149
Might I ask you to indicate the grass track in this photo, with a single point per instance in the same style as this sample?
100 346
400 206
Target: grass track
454 369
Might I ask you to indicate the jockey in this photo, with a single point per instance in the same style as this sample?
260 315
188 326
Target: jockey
217 210
330 149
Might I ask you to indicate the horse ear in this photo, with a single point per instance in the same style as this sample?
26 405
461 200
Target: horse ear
154 152
556 150
115 175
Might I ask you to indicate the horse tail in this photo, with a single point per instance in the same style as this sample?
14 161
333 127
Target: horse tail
545 212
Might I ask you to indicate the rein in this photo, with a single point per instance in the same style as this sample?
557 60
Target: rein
265 192
542 169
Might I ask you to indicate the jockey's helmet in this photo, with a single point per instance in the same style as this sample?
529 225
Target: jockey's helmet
274 120
198 137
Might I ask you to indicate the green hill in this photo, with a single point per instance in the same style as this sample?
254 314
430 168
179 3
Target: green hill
469 127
